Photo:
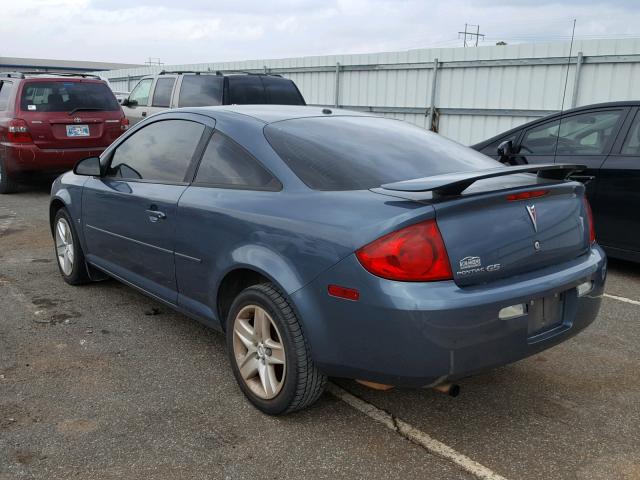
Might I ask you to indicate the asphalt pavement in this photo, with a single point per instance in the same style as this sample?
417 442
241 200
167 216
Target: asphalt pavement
100 381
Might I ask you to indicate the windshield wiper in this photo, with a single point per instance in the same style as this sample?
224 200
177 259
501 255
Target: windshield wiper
85 109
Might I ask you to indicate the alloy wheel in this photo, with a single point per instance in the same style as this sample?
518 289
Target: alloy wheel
64 246
259 351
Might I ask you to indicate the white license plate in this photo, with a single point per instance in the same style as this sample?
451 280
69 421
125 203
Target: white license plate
77 130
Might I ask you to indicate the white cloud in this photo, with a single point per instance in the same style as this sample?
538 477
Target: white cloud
191 31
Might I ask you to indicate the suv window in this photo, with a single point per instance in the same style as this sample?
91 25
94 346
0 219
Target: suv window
5 91
200 90
225 163
281 91
162 92
583 134
161 152
366 152
67 95
631 144
141 92
246 90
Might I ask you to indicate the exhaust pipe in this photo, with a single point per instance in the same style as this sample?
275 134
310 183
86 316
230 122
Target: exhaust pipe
450 389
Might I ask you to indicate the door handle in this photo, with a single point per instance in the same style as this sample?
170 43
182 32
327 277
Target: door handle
144 114
155 215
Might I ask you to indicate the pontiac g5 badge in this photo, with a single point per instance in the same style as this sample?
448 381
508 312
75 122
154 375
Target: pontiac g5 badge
531 210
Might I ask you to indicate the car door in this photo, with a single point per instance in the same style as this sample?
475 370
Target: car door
136 107
583 138
129 214
618 218
162 93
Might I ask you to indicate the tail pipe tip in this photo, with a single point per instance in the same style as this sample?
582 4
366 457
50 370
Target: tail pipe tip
451 389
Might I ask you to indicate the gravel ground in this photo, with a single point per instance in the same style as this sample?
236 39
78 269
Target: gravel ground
102 382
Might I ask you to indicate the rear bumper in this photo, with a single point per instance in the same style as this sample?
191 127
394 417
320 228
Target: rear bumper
417 334
28 158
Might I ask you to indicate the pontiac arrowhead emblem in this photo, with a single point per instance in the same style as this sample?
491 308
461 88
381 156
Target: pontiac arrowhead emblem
531 210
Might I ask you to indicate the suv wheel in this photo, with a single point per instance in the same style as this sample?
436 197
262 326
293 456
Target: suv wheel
7 184
269 354
68 250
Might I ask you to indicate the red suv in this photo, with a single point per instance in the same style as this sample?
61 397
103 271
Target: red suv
50 121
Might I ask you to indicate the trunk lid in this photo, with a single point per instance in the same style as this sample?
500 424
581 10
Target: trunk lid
489 237
49 130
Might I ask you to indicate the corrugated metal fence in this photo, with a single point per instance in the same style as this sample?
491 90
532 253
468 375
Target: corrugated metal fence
467 94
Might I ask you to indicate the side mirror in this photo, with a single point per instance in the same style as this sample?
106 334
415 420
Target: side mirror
505 149
89 167
127 102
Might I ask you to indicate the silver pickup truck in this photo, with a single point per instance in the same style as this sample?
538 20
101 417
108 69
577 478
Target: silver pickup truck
154 93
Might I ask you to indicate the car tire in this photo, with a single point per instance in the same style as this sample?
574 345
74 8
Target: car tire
7 184
273 387
69 254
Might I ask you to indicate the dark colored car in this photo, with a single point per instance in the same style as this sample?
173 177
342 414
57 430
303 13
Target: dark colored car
50 121
334 243
605 138
155 93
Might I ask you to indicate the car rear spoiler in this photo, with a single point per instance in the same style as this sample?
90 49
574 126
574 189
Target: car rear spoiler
456 183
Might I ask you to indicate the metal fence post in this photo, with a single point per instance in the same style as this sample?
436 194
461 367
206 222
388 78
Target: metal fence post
337 89
576 80
432 101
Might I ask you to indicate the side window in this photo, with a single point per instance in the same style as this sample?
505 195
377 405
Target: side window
631 144
141 92
281 91
158 152
246 90
584 134
162 92
200 90
5 91
225 163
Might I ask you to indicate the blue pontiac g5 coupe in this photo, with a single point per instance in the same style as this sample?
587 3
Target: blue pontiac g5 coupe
333 243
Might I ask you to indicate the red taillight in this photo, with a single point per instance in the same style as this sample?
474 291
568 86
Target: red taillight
592 227
343 292
527 195
124 124
412 254
18 131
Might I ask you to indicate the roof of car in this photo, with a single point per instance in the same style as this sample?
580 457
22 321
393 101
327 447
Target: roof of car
273 113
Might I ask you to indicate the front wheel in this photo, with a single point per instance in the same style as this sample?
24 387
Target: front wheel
269 354
68 250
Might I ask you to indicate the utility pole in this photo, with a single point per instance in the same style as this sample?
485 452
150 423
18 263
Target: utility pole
469 33
154 61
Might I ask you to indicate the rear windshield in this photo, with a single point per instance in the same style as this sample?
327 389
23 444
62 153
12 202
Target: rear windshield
67 96
200 91
356 153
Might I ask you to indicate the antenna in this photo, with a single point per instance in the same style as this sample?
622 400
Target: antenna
564 93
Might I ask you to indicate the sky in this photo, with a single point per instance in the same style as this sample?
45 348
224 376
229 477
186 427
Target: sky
194 31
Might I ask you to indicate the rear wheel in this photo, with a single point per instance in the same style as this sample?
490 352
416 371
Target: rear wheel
7 184
269 354
68 250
